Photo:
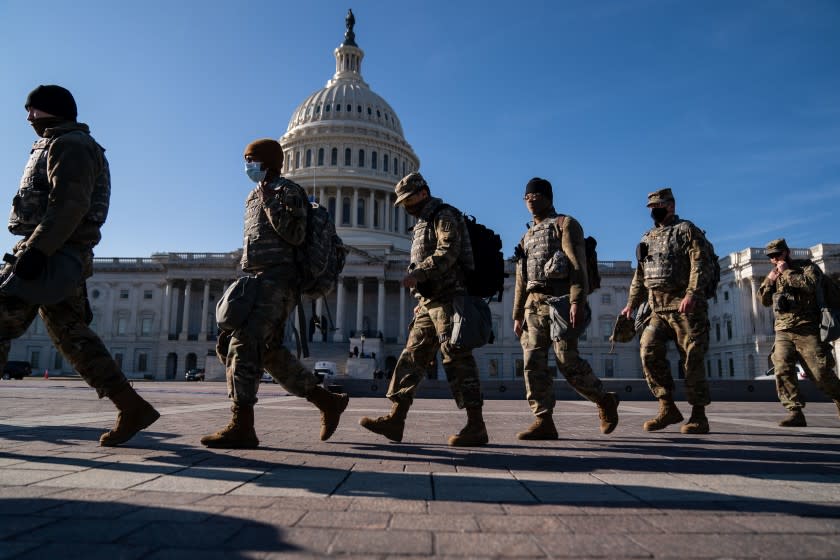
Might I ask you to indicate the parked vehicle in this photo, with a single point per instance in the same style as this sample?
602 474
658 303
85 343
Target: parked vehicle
324 371
15 369
194 375
770 374
266 378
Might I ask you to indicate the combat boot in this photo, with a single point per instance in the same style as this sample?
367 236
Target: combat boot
134 414
697 422
668 414
331 406
238 434
608 412
474 433
542 428
392 425
796 419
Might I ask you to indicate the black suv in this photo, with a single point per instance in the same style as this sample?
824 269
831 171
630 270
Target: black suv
15 369
194 375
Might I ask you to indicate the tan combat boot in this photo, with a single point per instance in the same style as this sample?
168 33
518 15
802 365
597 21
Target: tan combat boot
796 419
474 433
697 422
608 412
542 428
390 426
668 414
238 434
134 414
331 406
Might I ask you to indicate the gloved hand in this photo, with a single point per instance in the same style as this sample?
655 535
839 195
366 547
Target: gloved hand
30 263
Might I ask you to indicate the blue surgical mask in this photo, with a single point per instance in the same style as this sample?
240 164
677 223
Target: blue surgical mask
253 171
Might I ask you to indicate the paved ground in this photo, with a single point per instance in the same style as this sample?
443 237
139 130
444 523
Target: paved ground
749 490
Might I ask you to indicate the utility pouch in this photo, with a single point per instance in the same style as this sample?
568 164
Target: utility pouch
59 280
472 322
237 302
561 326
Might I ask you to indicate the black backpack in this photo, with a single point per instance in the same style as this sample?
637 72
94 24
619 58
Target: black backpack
487 278
593 275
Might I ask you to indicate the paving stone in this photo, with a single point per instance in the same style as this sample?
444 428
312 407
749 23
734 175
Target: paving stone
602 545
426 522
85 551
206 534
346 519
81 531
380 542
521 524
494 545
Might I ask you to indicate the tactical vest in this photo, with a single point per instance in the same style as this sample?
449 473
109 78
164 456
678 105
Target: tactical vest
424 244
542 246
30 203
263 248
666 266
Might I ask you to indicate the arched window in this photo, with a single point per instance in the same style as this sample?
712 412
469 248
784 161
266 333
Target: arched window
347 156
297 160
308 158
334 156
395 167
345 211
376 210
320 156
361 158
385 163
373 157
360 212
331 207
349 108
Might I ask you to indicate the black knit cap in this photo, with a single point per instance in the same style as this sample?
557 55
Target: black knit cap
54 100
539 186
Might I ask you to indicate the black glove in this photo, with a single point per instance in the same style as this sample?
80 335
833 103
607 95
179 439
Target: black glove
30 263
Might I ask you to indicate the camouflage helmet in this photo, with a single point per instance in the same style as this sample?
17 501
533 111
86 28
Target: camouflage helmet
776 246
408 185
659 197
624 329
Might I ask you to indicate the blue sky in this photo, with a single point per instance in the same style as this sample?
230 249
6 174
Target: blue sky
734 104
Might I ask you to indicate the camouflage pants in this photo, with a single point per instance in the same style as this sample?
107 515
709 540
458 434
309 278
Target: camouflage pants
817 359
690 332
429 331
536 340
258 345
67 326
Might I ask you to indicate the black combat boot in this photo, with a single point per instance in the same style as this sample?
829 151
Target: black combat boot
134 414
796 419
608 412
697 422
474 433
668 414
238 434
392 425
543 428
331 406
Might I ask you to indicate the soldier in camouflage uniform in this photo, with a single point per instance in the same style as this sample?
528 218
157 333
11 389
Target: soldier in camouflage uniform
551 263
791 289
440 252
275 229
61 205
672 276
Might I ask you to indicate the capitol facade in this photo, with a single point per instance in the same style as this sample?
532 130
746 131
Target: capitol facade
345 145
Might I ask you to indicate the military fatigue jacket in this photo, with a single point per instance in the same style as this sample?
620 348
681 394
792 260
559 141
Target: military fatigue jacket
64 192
440 251
671 265
798 287
573 247
275 226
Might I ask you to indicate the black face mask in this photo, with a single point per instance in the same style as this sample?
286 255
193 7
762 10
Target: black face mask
658 214
43 123
415 209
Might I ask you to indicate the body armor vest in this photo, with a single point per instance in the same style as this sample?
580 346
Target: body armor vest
30 203
545 259
263 248
424 243
666 265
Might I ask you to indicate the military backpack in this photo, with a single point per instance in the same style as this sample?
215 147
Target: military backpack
712 268
323 253
828 300
593 275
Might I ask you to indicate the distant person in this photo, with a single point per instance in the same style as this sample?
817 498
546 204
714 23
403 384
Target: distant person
355 351
275 229
552 264
791 288
440 253
59 210
672 276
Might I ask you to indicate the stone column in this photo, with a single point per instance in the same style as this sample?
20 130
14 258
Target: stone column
339 206
389 212
380 307
167 306
185 318
401 333
372 204
205 302
360 302
354 208
338 335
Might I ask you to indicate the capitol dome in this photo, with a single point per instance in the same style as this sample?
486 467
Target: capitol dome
344 144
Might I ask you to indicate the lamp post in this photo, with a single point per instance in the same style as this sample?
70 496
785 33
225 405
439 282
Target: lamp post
362 338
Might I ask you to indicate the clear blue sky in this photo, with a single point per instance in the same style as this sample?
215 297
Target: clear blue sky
734 104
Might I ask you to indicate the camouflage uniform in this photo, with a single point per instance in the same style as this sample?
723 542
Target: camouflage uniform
440 251
274 229
533 288
793 297
63 201
672 264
